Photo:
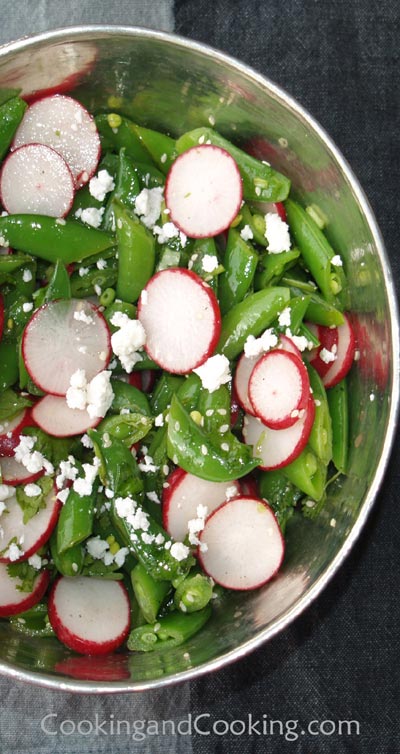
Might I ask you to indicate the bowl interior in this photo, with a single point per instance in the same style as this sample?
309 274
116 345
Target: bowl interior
174 85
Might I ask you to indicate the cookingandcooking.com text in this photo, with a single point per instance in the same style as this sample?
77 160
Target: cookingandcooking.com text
198 725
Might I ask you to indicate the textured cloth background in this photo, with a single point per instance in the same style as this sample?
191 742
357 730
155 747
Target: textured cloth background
340 660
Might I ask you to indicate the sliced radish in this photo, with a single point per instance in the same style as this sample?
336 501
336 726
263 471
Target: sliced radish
249 487
35 179
275 208
90 616
143 380
245 547
183 496
56 418
62 337
14 473
32 535
344 355
203 191
182 320
322 357
279 388
278 447
243 373
287 344
10 432
65 125
12 600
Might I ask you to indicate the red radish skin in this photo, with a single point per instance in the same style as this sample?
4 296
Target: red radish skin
91 616
35 532
278 447
245 546
10 432
56 344
14 473
287 344
279 388
65 125
344 355
328 338
203 191
12 600
53 415
35 179
181 318
184 494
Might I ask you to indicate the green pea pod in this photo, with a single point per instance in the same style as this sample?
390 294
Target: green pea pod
250 317
136 254
149 176
256 223
318 310
17 317
59 286
260 181
168 632
52 239
129 397
118 468
93 279
320 439
154 480
150 594
84 199
9 371
129 428
280 493
307 333
165 388
212 457
160 146
274 267
75 523
189 392
70 562
11 114
215 410
315 250
126 189
193 593
308 473
117 133
339 410
240 263
11 262
204 247
297 308
24 286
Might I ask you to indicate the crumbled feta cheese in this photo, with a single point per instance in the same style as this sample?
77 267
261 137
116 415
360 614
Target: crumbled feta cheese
179 551
300 341
135 516
327 356
99 395
159 420
214 372
97 547
32 490
153 497
127 340
27 307
284 318
84 485
209 262
26 276
101 184
81 315
336 261
256 346
372 397
83 271
101 264
33 460
246 233
14 552
148 205
35 561
276 233
86 442
167 231
147 465
91 216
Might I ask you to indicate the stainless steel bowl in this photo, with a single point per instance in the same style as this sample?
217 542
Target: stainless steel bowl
174 84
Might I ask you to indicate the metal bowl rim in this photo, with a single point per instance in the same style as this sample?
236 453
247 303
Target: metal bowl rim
93 32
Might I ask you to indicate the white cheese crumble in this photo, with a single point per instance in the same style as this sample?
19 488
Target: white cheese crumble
246 233
276 233
327 356
167 231
27 307
214 372
26 276
159 420
33 460
14 552
101 264
35 561
284 318
196 525
81 316
179 551
32 490
90 215
84 485
101 184
256 346
96 396
336 261
148 205
127 340
209 263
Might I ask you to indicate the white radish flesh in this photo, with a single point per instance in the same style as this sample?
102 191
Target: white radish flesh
181 318
14 473
10 432
203 191
183 496
53 415
35 179
62 123
278 447
62 337
287 344
243 373
245 547
344 355
32 535
12 600
90 616
279 388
